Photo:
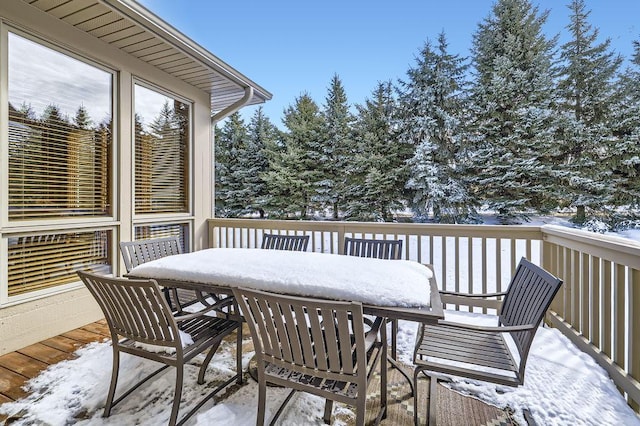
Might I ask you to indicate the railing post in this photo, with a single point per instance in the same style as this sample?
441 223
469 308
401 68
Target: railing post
341 232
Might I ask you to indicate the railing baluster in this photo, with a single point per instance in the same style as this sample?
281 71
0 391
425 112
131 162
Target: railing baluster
606 309
634 328
619 320
585 296
596 304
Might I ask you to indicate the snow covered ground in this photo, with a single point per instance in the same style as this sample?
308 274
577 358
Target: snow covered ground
563 386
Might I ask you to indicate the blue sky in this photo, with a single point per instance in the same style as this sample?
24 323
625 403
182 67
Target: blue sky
293 47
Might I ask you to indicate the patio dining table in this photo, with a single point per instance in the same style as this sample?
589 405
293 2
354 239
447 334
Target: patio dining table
395 289
391 289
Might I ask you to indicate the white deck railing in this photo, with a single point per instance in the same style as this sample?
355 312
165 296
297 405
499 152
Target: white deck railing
598 307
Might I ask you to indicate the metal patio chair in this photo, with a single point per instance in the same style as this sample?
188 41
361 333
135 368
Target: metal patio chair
380 249
138 315
467 350
315 346
285 242
137 252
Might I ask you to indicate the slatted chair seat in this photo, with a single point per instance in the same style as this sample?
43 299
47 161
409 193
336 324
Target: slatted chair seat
496 354
138 315
285 242
454 351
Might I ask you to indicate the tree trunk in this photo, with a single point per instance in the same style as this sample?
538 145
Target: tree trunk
581 215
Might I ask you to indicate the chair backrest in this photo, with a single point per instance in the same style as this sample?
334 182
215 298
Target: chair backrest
311 336
138 252
381 249
528 297
285 242
135 309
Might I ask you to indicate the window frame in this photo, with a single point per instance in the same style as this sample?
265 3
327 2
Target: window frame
5 222
151 218
17 228
6 300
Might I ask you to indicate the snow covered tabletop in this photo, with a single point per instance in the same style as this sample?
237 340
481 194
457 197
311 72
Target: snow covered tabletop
401 283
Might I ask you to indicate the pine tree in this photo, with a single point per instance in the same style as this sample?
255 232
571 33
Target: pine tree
378 174
336 148
513 99
431 118
231 191
587 96
625 162
27 111
221 173
294 170
82 119
253 162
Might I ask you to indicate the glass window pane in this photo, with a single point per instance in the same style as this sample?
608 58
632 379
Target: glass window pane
47 260
60 132
162 149
180 230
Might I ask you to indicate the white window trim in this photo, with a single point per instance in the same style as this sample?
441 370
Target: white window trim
163 218
11 228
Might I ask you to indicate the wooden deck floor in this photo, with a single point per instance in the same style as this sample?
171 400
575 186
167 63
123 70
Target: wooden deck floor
18 367
453 409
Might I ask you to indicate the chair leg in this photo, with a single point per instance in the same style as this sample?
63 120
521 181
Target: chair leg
206 362
239 353
394 338
431 413
177 396
114 381
328 408
383 370
262 397
360 408
416 372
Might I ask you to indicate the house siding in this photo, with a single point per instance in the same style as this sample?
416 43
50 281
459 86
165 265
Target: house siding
26 321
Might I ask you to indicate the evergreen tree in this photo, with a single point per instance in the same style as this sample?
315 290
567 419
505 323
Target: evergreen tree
513 100
82 119
294 171
431 118
221 173
587 96
625 162
336 148
378 174
27 111
254 163
231 192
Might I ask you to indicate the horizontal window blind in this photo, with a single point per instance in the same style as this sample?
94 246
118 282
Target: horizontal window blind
181 230
57 170
161 163
47 260
60 134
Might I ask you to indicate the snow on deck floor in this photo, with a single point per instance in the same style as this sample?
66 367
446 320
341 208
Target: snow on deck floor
563 386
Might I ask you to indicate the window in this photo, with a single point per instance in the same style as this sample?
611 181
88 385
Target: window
180 230
162 137
59 168
60 133
41 261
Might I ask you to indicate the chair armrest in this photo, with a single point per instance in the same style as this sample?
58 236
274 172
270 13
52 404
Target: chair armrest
489 329
483 295
218 305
